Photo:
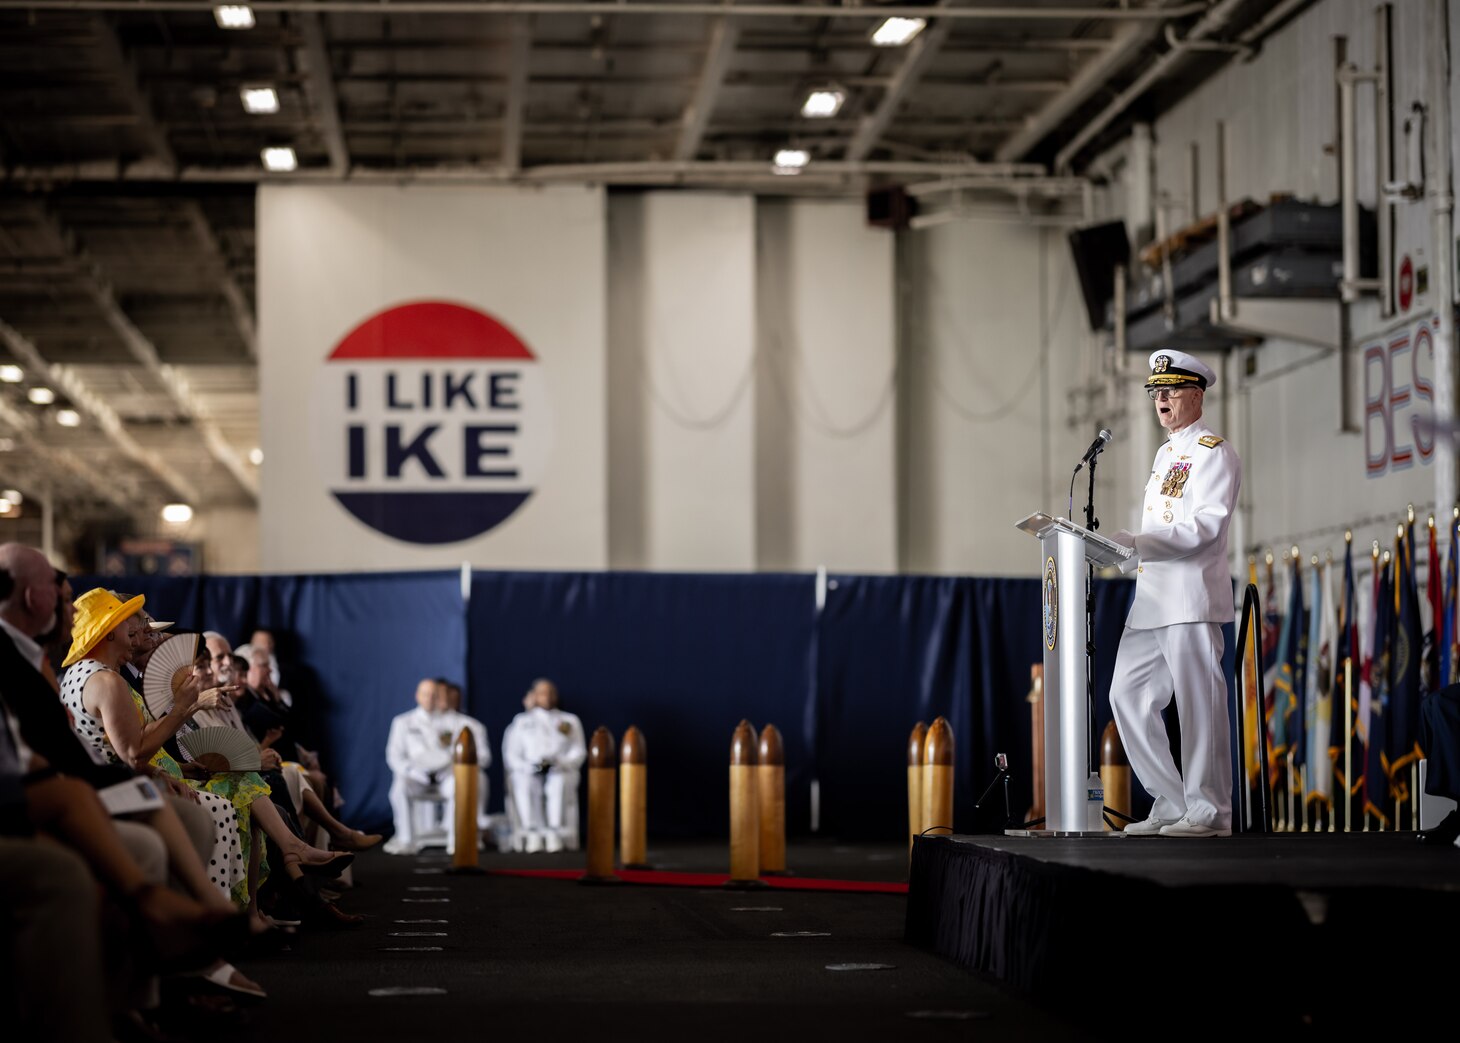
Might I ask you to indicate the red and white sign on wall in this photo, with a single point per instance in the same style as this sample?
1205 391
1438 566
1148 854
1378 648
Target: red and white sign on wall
1398 390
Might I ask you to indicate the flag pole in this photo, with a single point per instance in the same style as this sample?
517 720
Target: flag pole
1414 794
1348 743
1292 819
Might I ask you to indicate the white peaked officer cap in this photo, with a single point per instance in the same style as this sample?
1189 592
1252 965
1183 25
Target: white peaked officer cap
1176 369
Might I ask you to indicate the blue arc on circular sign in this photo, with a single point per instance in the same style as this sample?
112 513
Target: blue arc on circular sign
425 517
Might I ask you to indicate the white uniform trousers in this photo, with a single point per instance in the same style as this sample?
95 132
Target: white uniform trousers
1185 658
539 799
404 791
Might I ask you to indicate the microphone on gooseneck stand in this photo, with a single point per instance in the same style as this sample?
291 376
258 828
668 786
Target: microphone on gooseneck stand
1096 448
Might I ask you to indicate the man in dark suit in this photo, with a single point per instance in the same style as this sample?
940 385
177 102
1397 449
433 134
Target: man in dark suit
34 608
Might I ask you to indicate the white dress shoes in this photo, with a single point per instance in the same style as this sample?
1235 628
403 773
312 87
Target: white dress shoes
1188 828
1148 827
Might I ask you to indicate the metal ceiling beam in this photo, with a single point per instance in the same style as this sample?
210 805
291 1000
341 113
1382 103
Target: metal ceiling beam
124 73
519 49
490 8
94 284
1215 19
238 305
832 176
24 425
920 55
121 69
723 37
1092 76
320 87
91 404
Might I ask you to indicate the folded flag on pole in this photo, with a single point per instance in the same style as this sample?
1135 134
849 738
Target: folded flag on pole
1252 656
1402 738
1318 701
1435 595
1287 721
1449 655
1376 760
1348 644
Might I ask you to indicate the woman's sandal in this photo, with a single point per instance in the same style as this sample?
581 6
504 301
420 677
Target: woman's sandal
331 867
229 978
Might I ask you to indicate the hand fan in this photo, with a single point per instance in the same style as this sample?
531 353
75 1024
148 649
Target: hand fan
221 749
166 671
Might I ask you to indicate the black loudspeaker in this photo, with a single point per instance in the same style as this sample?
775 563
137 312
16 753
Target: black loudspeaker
1098 251
890 207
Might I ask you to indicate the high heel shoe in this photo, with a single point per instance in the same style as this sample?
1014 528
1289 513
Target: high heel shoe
330 867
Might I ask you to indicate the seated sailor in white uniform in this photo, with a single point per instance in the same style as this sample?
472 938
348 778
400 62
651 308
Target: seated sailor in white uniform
479 735
542 752
419 752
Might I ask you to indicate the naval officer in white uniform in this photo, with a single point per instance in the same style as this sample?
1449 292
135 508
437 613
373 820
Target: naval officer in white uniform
419 752
1173 635
542 751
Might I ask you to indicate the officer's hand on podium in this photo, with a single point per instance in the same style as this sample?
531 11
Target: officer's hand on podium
1126 539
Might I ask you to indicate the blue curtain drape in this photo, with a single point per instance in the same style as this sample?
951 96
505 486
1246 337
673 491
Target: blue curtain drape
684 657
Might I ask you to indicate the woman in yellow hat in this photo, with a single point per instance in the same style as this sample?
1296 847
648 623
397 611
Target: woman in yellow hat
113 718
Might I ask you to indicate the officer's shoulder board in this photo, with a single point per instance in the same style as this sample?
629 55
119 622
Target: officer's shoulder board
1210 441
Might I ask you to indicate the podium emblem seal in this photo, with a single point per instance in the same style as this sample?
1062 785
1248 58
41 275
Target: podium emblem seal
1051 604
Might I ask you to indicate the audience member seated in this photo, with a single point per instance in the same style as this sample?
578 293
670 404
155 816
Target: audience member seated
113 719
542 751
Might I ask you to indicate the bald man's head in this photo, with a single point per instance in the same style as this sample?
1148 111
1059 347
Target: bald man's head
31 606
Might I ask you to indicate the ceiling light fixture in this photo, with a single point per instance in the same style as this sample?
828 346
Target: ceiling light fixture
823 103
791 160
68 418
256 456
11 374
13 495
895 32
233 16
177 514
41 396
280 159
259 101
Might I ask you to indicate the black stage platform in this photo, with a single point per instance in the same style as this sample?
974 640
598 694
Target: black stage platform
1318 931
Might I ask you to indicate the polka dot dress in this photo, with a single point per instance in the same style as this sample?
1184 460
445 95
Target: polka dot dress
227 867
92 734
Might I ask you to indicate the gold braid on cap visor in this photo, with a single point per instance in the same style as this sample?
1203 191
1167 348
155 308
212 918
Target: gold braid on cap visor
1170 379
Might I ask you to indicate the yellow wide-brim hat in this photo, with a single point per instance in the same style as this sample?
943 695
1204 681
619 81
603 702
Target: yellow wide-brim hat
97 614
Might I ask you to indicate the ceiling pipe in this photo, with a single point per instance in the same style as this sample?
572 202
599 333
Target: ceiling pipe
649 172
633 7
1092 76
1212 22
696 119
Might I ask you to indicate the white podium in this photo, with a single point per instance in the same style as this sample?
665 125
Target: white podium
1065 547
